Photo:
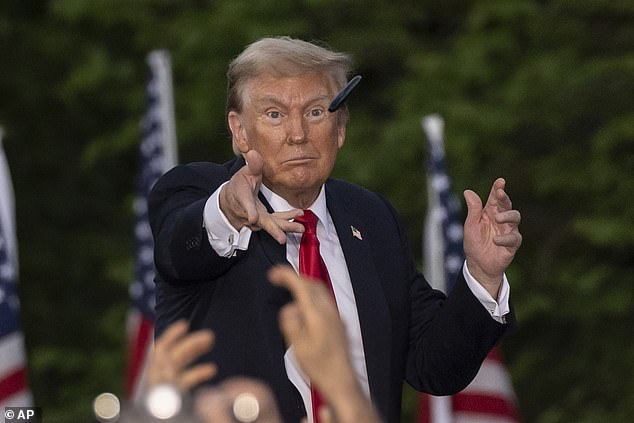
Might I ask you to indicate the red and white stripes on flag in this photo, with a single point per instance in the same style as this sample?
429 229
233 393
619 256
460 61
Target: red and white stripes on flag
157 154
490 397
14 390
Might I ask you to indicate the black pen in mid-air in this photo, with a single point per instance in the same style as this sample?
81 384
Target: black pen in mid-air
343 94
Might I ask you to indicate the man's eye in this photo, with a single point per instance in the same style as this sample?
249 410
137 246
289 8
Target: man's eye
274 114
316 112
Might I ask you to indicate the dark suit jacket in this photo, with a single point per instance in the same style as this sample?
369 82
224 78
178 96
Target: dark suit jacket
409 330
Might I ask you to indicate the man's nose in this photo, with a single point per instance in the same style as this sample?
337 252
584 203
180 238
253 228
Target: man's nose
296 129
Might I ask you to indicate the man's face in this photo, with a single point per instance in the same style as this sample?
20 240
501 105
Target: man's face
287 121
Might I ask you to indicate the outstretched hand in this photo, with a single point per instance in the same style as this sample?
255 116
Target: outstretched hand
174 352
312 325
491 236
240 203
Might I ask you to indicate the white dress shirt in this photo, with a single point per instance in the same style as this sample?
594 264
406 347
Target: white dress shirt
226 240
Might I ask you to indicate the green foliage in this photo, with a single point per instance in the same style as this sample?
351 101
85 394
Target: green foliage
536 91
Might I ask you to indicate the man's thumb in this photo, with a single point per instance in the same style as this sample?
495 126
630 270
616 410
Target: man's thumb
254 163
474 205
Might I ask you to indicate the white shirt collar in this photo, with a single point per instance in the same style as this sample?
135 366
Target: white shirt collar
318 207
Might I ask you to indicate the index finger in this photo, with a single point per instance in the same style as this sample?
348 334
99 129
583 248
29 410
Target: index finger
254 163
498 196
246 198
278 223
499 183
172 334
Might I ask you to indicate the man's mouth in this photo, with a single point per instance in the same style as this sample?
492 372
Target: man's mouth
298 160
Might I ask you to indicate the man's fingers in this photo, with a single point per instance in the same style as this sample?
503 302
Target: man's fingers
498 184
171 335
238 201
254 163
273 230
191 347
278 224
289 214
197 375
246 200
270 225
511 217
287 226
242 191
474 206
275 227
510 240
498 196
286 223
503 200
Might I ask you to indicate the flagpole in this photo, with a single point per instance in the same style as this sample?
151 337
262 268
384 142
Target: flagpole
433 248
440 408
157 154
160 63
7 206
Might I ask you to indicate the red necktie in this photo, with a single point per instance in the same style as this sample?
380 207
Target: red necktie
312 265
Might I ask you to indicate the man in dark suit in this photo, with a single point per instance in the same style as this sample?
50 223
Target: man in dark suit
219 228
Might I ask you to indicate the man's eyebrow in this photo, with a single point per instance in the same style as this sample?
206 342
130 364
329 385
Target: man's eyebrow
278 101
269 99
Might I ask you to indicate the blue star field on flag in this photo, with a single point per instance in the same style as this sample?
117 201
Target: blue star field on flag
9 303
452 228
151 167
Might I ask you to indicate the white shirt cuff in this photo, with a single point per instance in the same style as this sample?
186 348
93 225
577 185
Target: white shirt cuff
497 309
223 237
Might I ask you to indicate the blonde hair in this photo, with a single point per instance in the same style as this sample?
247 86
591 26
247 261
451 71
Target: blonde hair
283 57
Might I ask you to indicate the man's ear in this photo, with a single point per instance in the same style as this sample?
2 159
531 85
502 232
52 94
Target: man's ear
341 135
238 132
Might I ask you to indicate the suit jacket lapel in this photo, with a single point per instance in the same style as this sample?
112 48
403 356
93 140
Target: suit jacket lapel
273 250
374 316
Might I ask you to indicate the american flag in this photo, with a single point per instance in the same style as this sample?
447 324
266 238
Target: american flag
490 397
157 154
13 384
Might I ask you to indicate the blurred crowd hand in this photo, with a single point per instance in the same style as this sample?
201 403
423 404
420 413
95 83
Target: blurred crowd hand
174 351
311 324
237 399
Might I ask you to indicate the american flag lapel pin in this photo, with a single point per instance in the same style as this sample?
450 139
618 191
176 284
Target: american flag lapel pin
356 233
